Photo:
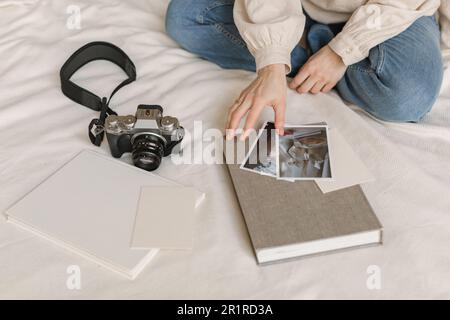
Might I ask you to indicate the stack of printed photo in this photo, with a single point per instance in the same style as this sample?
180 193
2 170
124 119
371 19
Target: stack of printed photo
302 153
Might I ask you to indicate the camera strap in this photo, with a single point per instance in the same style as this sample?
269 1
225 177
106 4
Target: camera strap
91 52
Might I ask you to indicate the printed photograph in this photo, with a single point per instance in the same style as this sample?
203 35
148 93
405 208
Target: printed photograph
262 156
304 153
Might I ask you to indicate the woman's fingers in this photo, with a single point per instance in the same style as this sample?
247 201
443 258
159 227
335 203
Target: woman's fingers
235 117
230 133
252 117
328 87
307 85
230 112
301 76
269 86
320 73
280 110
318 87
230 130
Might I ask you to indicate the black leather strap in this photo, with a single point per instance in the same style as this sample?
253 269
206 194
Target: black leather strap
91 52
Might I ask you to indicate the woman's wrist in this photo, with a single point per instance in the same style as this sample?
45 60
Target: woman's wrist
273 68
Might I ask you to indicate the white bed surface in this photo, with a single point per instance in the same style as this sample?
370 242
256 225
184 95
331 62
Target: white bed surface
41 130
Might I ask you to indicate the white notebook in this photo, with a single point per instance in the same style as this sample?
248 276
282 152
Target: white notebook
165 218
89 207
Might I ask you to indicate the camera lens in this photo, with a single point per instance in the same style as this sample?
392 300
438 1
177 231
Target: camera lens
147 151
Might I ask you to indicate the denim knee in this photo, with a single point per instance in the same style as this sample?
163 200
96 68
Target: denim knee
407 101
180 17
402 77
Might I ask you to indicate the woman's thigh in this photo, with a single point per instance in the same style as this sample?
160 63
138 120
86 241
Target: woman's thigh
401 78
207 28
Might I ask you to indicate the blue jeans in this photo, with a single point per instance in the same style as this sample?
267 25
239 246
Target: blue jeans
399 81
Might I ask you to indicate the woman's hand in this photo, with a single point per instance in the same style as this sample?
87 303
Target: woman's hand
268 89
321 73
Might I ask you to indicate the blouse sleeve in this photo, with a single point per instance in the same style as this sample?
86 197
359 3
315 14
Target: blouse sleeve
271 29
444 19
376 22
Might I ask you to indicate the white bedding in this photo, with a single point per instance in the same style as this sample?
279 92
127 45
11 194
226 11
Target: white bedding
41 129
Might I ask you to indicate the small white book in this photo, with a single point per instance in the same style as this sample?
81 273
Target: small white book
165 218
89 207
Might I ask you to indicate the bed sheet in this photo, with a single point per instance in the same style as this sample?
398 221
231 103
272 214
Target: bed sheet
41 129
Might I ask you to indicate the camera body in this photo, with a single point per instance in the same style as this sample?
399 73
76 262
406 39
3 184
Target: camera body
148 135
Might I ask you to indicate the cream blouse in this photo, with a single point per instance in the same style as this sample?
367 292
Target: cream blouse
272 29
